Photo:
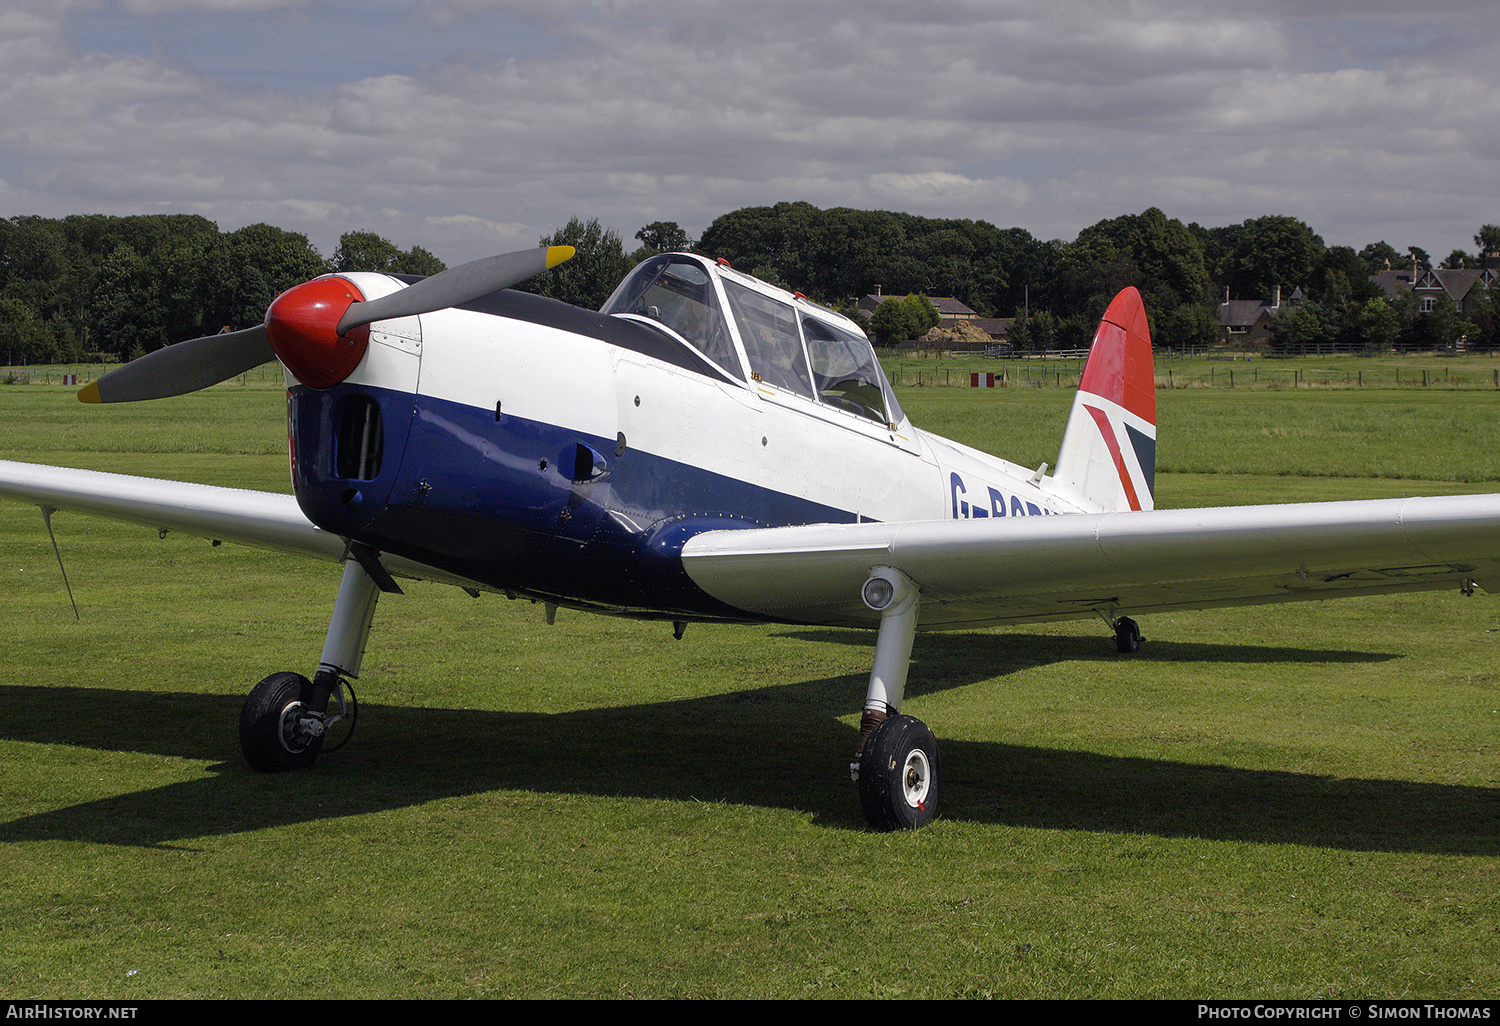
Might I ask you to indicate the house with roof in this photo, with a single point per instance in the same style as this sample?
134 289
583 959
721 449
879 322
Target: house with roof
949 309
1246 323
1465 288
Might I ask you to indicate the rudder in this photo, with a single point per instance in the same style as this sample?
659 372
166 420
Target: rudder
1108 456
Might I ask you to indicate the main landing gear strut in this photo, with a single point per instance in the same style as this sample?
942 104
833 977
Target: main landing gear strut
286 719
896 762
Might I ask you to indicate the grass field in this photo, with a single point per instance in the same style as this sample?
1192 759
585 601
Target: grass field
1292 802
1406 371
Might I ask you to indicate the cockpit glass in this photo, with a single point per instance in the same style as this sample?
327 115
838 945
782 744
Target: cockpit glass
677 292
846 372
773 344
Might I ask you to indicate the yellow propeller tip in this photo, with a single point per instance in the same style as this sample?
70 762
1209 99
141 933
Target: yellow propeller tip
90 393
557 254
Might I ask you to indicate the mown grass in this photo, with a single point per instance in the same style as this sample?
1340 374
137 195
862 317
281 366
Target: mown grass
1292 801
1403 371
1416 436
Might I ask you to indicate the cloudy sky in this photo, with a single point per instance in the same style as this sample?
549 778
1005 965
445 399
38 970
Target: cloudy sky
476 126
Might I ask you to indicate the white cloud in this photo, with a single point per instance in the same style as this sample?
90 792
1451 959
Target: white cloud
1046 117
159 7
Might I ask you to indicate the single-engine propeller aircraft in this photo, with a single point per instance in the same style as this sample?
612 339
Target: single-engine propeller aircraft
709 448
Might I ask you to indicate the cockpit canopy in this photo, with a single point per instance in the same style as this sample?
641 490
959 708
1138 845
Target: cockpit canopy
756 332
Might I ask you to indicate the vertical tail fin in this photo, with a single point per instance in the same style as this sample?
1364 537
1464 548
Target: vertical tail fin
1108 457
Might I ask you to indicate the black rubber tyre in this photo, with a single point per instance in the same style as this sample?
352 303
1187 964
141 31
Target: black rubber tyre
264 741
1127 635
899 775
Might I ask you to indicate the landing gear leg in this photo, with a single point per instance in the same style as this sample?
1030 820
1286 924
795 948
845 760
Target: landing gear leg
285 719
896 762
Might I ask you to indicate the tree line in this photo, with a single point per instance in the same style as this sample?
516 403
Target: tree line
92 286
1055 290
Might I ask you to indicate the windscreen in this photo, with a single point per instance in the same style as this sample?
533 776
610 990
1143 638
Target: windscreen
677 291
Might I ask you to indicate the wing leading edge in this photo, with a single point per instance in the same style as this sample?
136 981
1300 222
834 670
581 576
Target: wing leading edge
262 519
255 518
975 573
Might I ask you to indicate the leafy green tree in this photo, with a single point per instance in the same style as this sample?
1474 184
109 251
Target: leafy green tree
1342 285
366 251
1487 320
1187 326
1300 328
122 308
1488 241
1168 258
1075 331
1035 333
784 236
1380 256
251 267
1089 273
842 253
924 315
420 262
588 279
770 275
903 318
23 336
38 273
851 251
1435 330
891 322
1377 325
1274 251
661 237
32 250
179 267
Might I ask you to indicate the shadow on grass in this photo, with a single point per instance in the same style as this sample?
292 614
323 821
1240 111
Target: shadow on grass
776 747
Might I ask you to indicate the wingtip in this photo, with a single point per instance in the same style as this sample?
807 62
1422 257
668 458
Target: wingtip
90 393
558 254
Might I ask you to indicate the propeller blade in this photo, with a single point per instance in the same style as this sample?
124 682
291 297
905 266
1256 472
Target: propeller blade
181 368
200 362
457 285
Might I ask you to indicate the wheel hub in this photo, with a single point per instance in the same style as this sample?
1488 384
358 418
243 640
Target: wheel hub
916 779
299 727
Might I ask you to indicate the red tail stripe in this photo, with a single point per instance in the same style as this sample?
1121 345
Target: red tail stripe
1114 450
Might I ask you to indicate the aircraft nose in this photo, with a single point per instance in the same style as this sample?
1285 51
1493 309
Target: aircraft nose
302 324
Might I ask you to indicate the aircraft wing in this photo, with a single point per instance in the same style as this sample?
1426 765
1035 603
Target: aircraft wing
263 519
975 573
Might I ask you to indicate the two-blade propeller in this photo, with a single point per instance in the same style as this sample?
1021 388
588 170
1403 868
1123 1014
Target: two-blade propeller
200 362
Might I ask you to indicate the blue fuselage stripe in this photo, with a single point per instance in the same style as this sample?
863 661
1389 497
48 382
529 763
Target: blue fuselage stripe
515 504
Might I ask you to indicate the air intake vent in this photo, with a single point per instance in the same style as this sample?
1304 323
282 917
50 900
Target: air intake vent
361 439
